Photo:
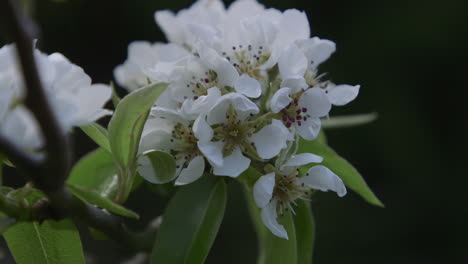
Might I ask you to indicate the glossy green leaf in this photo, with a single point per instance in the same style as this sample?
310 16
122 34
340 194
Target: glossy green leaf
5 223
305 232
96 171
48 243
157 166
98 134
94 198
127 123
350 176
191 222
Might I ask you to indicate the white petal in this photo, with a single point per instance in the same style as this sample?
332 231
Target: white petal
170 26
201 129
194 170
316 50
241 104
227 74
292 63
233 165
309 129
248 86
269 216
168 114
280 99
263 189
294 25
296 84
316 101
302 159
203 103
91 99
156 140
342 94
321 178
270 140
213 152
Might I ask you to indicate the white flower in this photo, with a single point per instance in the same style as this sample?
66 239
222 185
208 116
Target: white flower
301 109
235 134
74 100
143 55
277 191
168 130
298 66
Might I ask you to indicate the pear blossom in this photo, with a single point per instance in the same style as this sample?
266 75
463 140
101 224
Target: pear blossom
278 190
74 100
228 131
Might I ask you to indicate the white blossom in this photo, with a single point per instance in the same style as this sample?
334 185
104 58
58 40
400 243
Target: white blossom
277 191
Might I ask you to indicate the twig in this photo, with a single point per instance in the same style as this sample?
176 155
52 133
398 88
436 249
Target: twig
19 157
52 174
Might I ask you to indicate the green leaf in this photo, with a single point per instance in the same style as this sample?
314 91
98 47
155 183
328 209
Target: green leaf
93 197
305 232
98 134
159 166
48 243
96 171
348 121
5 223
115 97
191 222
278 250
127 123
350 176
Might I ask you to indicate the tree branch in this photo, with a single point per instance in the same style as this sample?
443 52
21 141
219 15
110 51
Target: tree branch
53 173
19 157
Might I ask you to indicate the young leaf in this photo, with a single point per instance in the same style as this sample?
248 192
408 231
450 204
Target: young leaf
350 176
191 222
96 171
48 243
157 167
93 197
98 134
128 120
305 232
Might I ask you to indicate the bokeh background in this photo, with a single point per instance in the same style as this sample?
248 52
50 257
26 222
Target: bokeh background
409 57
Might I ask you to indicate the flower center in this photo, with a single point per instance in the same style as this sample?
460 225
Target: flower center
247 59
185 147
288 189
293 113
200 85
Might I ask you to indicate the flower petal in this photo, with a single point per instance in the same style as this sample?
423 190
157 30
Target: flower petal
292 63
316 50
316 101
342 94
321 178
91 99
248 86
201 129
194 170
302 159
309 129
280 99
233 165
241 104
269 216
271 139
263 189
213 152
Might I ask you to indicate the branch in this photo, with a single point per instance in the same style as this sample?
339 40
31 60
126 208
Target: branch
57 142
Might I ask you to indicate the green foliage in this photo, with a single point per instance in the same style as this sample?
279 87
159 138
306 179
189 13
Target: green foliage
94 198
278 250
98 134
96 172
305 232
350 176
191 222
47 243
160 166
125 130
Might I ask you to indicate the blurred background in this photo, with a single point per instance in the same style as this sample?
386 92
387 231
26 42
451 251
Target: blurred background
409 58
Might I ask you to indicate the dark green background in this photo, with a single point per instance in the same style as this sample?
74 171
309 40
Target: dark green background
409 57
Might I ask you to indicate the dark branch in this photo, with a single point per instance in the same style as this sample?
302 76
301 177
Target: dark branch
58 150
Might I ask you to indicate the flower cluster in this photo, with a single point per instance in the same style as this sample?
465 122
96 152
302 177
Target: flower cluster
74 100
243 87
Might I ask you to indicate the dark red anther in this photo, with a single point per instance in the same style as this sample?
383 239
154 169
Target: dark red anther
298 117
304 110
305 118
298 111
288 124
285 118
195 97
198 85
296 101
299 123
207 80
292 119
